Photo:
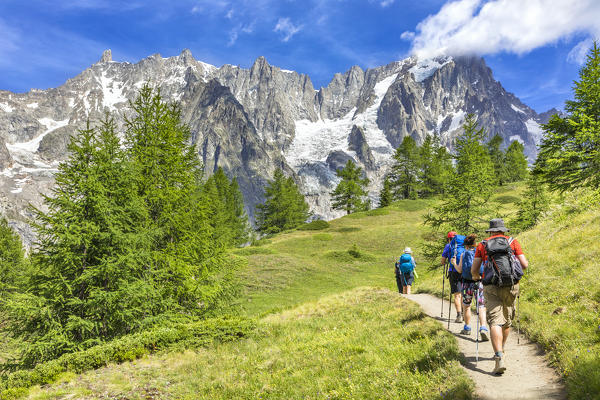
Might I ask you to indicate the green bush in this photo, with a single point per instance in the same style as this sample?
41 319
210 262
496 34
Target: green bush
127 348
316 225
507 199
323 237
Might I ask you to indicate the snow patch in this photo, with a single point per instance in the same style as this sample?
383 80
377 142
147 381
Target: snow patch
33 105
517 109
423 69
315 140
457 120
33 145
71 103
112 92
535 130
6 108
517 138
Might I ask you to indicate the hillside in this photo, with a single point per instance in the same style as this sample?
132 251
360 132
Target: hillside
330 323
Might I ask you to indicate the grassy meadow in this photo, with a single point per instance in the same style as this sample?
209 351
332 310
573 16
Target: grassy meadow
330 324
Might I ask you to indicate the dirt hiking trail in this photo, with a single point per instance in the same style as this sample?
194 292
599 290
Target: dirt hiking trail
527 375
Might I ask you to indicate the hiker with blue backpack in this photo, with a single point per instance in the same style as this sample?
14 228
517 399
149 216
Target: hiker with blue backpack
471 289
405 271
453 249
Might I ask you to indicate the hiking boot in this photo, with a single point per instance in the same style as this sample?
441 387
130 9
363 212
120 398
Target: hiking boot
466 330
485 334
459 319
499 368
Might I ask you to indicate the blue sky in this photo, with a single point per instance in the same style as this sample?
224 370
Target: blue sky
534 47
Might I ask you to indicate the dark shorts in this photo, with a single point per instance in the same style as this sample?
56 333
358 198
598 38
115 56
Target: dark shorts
468 292
407 278
455 279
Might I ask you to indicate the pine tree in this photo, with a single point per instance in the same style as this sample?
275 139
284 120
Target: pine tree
534 202
436 167
570 151
89 280
12 261
284 207
405 171
385 196
516 162
350 193
471 186
498 157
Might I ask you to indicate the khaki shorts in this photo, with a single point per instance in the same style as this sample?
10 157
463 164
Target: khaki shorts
500 304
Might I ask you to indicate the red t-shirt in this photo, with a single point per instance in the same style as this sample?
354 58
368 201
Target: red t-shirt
480 252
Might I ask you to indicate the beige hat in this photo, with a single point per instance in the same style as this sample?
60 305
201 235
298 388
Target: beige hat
408 250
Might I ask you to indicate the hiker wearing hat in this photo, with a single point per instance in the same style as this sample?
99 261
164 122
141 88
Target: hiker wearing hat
406 270
453 276
503 263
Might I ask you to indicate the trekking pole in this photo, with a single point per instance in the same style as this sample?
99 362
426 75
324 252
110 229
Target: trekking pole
518 320
449 306
443 288
477 333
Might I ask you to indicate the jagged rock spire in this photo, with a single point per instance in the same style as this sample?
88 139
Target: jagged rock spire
106 56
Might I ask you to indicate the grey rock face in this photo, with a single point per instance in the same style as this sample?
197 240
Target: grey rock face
251 121
357 142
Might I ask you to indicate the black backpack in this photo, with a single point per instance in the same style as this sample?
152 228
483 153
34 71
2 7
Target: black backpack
502 267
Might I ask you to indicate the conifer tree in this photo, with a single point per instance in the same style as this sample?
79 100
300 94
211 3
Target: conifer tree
350 193
385 196
284 206
12 261
89 281
436 166
467 210
516 162
534 202
498 157
405 170
570 151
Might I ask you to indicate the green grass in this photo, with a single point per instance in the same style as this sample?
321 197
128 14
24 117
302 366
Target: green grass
367 343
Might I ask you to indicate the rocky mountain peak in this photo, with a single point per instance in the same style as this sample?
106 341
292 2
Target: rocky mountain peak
106 56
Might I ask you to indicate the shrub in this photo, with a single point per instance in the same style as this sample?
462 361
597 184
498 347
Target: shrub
316 225
127 348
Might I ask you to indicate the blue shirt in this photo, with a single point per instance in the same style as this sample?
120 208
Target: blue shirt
446 253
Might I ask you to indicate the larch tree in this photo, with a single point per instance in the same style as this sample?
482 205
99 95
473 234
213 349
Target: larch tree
350 193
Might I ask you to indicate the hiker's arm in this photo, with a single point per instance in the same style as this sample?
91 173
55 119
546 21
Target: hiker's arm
475 268
523 261
459 265
444 260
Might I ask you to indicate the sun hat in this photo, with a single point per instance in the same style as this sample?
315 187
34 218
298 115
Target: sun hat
497 225
408 250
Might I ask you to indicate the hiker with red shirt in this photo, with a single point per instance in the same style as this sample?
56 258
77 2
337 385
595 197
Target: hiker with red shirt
502 270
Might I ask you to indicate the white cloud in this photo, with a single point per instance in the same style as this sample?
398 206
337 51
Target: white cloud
407 35
285 26
578 54
386 3
492 26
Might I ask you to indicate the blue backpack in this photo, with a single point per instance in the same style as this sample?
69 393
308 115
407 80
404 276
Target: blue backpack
405 262
457 246
467 263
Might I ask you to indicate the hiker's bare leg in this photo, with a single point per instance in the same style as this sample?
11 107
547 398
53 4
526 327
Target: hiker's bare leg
482 320
497 339
407 289
505 332
467 314
457 301
404 290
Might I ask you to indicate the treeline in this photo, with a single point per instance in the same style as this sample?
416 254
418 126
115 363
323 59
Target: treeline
133 236
429 169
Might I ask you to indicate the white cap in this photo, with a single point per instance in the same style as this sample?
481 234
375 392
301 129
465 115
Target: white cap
408 250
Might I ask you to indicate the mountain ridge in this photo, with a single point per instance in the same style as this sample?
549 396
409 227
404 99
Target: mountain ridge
251 121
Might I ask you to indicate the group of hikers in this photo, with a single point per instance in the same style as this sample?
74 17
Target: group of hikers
489 272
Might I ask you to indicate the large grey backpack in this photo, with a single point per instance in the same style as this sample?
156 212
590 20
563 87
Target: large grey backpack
502 267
